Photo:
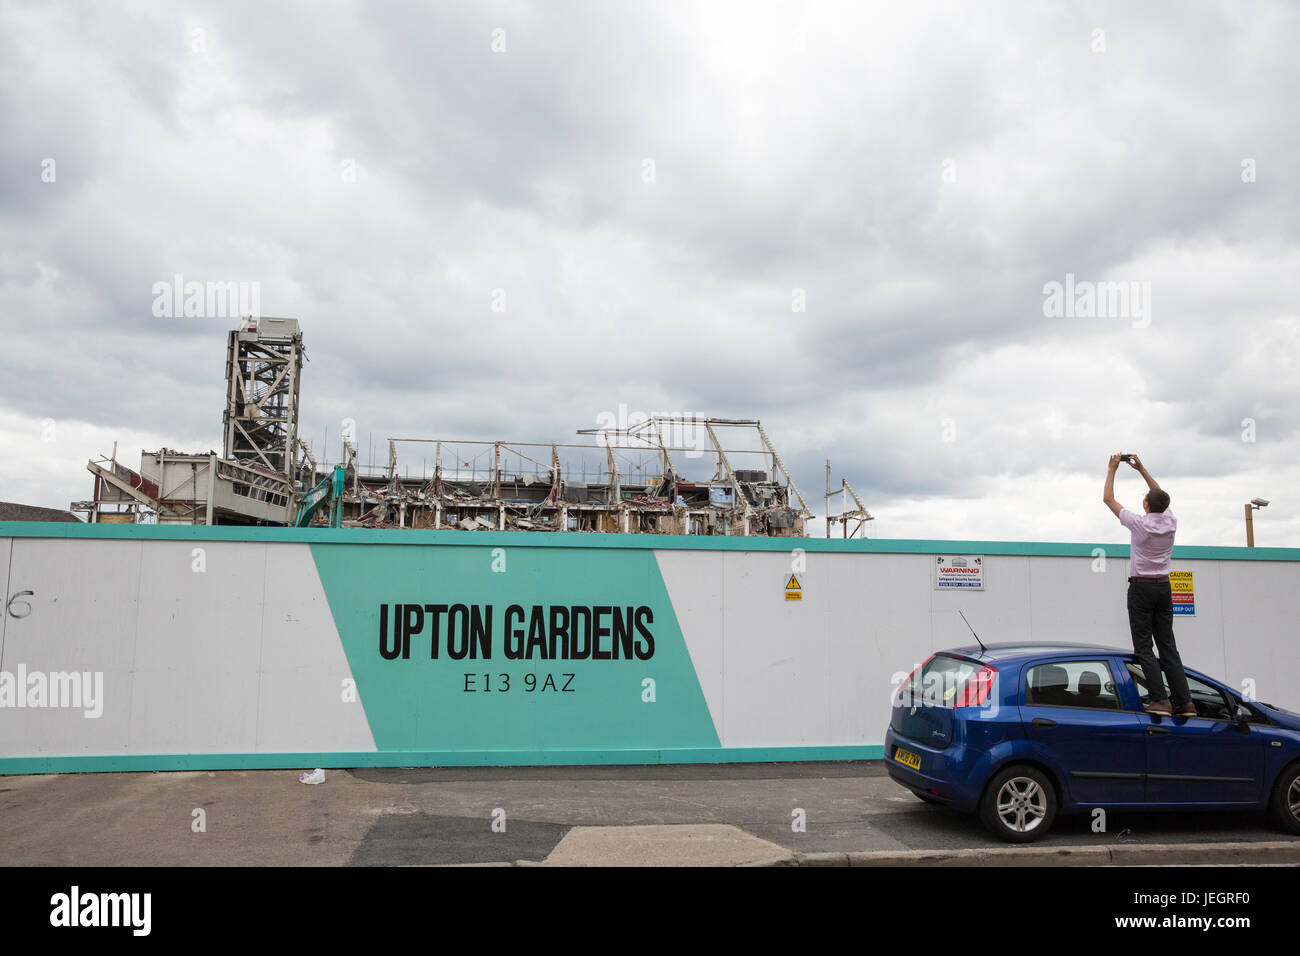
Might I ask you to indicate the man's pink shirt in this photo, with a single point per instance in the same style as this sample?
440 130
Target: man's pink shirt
1153 541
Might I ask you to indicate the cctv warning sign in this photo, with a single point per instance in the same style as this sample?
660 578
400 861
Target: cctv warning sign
1180 587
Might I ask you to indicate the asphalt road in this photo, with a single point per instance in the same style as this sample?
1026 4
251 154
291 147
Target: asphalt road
725 814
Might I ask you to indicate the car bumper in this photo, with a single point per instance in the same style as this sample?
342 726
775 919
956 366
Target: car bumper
944 775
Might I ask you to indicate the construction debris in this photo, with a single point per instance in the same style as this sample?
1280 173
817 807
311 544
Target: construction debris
514 489
250 483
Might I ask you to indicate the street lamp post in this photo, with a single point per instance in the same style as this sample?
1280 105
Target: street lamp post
1252 505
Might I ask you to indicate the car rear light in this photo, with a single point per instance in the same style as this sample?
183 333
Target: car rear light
975 692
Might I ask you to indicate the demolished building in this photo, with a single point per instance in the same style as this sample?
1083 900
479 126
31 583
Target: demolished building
664 474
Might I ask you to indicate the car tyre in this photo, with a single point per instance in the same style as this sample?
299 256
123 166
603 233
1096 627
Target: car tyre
1286 799
1019 804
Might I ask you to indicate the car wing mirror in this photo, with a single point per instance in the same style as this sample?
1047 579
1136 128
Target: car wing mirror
1241 716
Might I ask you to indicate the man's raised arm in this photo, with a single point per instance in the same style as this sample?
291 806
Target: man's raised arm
1108 494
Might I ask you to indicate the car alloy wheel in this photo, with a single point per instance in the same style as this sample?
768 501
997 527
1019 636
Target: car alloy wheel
1022 804
1019 804
1286 800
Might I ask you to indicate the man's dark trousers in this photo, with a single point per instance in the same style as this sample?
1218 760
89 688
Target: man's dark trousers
1151 613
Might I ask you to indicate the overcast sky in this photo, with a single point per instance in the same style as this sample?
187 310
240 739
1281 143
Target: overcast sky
501 220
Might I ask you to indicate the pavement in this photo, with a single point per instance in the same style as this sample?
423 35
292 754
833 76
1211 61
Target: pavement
834 813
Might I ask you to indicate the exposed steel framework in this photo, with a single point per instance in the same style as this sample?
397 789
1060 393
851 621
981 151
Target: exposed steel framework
264 359
664 474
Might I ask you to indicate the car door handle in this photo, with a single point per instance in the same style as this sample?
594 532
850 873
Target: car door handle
1044 722
1153 730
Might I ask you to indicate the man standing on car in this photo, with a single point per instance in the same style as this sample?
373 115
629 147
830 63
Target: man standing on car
1150 600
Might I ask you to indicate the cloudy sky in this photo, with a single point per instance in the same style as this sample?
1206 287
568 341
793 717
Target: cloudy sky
501 220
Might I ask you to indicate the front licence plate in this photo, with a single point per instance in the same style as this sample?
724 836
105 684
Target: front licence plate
907 758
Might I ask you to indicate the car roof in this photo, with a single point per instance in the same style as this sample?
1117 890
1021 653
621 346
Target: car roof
1018 651
1026 649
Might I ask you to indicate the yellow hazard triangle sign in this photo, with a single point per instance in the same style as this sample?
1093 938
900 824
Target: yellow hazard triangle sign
793 592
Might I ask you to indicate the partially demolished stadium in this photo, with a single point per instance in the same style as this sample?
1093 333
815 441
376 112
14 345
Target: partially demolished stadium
659 474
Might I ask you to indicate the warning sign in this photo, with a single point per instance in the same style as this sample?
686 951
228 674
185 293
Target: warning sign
1180 586
793 590
959 571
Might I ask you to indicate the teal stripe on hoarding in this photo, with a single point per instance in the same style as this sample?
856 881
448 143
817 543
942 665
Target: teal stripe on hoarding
663 542
433 758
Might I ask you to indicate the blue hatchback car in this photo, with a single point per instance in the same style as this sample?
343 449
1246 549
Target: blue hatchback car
1019 733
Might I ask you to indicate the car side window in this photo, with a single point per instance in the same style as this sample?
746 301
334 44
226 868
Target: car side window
1072 684
1210 702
